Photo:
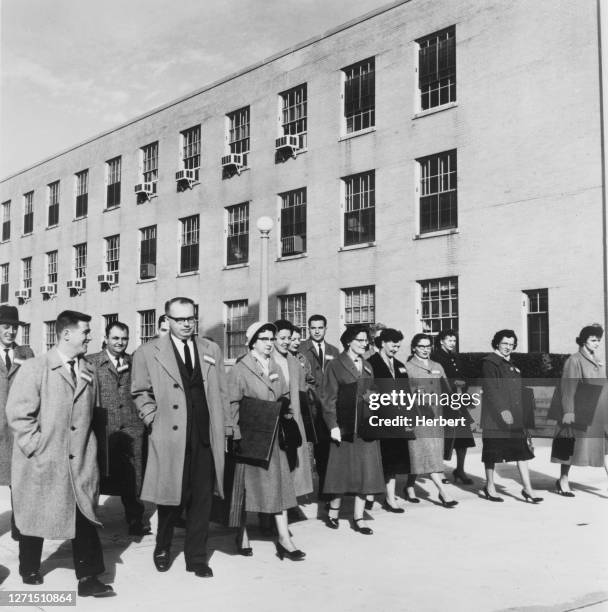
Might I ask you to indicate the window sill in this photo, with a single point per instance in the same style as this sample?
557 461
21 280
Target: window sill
236 266
290 257
368 130
110 208
50 227
193 273
143 281
355 247
78 218
446 232
5 241
26 235
435 109
148 198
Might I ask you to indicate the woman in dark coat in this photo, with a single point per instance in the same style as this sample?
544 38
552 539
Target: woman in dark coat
502 419
455 438
387 370
354 466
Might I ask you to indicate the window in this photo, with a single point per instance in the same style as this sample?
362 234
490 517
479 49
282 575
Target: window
191 149
438 194
359 305
51 269
149 156
359 96
113 171
28 213
437 68
359 208
293 222
6 220
147 325
4 283
294 114
238 132
50 336
53 218
82 194
538 320
439 304
24 337
26 273
109 318
196 319
189 244
293 308
237 321
113 256
238 234
147 252
80 263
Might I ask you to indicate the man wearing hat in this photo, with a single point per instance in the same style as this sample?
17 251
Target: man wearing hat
11 358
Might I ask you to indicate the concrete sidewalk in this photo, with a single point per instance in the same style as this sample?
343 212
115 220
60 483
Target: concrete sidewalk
479 556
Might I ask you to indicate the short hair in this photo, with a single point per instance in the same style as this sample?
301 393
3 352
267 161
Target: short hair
68 319
284 324
416 339
161 319
177 300
595 329
265 327
317 317
444 333
388 334
350 333
504 333
122 326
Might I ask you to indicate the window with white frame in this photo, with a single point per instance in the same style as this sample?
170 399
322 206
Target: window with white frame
50 336
108 319
191 150
359 95
237 321
147 252
437 68
537 315
24 334
359 305
6 220
80 262
438 192
294 114
53 216
147 325
359 208
51 269
189 244
293 308
195 319
113 174
238 133
82 194
26 273
4 292
149 164
113 256
438 304
237 247
293 222
28 212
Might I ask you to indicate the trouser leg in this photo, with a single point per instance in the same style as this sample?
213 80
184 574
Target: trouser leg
167 515
30 553
86 548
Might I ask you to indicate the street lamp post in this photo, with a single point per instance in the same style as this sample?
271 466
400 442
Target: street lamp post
264 224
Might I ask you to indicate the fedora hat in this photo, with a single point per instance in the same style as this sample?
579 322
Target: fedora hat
10 315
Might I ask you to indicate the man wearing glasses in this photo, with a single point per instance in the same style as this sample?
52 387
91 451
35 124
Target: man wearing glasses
179 388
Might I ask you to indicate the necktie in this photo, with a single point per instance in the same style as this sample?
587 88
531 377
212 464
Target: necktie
73 371
187 358
391 367
7 359
321 354
118 364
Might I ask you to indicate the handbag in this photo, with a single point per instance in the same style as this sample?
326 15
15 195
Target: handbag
563 443
290 439
529 442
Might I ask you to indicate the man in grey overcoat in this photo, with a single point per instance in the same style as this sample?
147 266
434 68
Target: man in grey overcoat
54 473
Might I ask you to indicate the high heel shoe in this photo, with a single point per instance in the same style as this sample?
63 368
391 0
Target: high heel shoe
412 500
560 491
363 530
247 551
492 498
333 523
460 476
530 498
393 509
292 555
447 504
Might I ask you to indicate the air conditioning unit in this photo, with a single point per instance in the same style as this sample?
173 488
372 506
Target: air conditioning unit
23 294
188 176
146 189
75 284
47 289
288 143
105 279
233 160
293 245
147 271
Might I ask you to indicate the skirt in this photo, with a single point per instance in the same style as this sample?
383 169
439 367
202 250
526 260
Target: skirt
395 457
513 448
426 451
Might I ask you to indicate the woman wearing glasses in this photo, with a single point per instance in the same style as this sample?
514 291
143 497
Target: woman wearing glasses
502 418
426 451
354 466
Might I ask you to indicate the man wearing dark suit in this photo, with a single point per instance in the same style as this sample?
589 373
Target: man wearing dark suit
319 353
179 387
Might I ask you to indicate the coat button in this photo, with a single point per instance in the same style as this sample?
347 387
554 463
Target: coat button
122 427
175 386
71 456
175 407
121 406
174 427
73 428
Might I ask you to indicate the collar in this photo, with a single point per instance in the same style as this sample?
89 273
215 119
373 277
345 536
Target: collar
179 342
502 356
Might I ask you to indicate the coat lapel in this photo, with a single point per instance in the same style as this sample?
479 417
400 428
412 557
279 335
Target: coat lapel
255 368
166 357
348 364
55 363
85 377
205 360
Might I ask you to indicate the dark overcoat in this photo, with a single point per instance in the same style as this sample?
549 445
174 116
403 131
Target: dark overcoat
307 349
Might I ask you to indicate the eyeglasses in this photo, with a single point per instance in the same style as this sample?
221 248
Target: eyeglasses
181 320
360 340
423 346
263 339
510 344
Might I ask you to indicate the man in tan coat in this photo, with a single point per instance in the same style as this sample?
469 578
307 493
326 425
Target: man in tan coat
54 473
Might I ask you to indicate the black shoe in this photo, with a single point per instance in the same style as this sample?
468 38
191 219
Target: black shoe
369 504
202 571
247 551
139 529
530 498
363 530
444 480
462 477
93 587
412 500
560 491
333 523
492 498
292 555
32 578
162 559
447 504
392 509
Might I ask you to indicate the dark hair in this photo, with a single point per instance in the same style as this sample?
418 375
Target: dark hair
388 334
161 319
265 327
595 329
122 326
350 333
68 319
416 339
317 317
284 324
504 333
444 333
177 300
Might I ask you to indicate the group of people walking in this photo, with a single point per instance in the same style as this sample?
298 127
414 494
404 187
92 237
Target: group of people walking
156 426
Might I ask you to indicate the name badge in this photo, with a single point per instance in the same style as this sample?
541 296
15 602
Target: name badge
402 370
86 377
435 372
328 357
273 376
367 369
514 369
123 367
17 361
208 359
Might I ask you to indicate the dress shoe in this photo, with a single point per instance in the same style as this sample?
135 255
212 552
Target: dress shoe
447 504
162 560
246 551
531 498
560 491
139 529
412 500
202 571
492 498
32 578
369 504
393 509
93 587
292 555
363 530
462 477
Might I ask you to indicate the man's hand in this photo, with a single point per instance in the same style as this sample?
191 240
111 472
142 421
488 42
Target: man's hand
507 417
335 434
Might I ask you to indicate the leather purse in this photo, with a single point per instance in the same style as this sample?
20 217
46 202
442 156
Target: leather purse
563 444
